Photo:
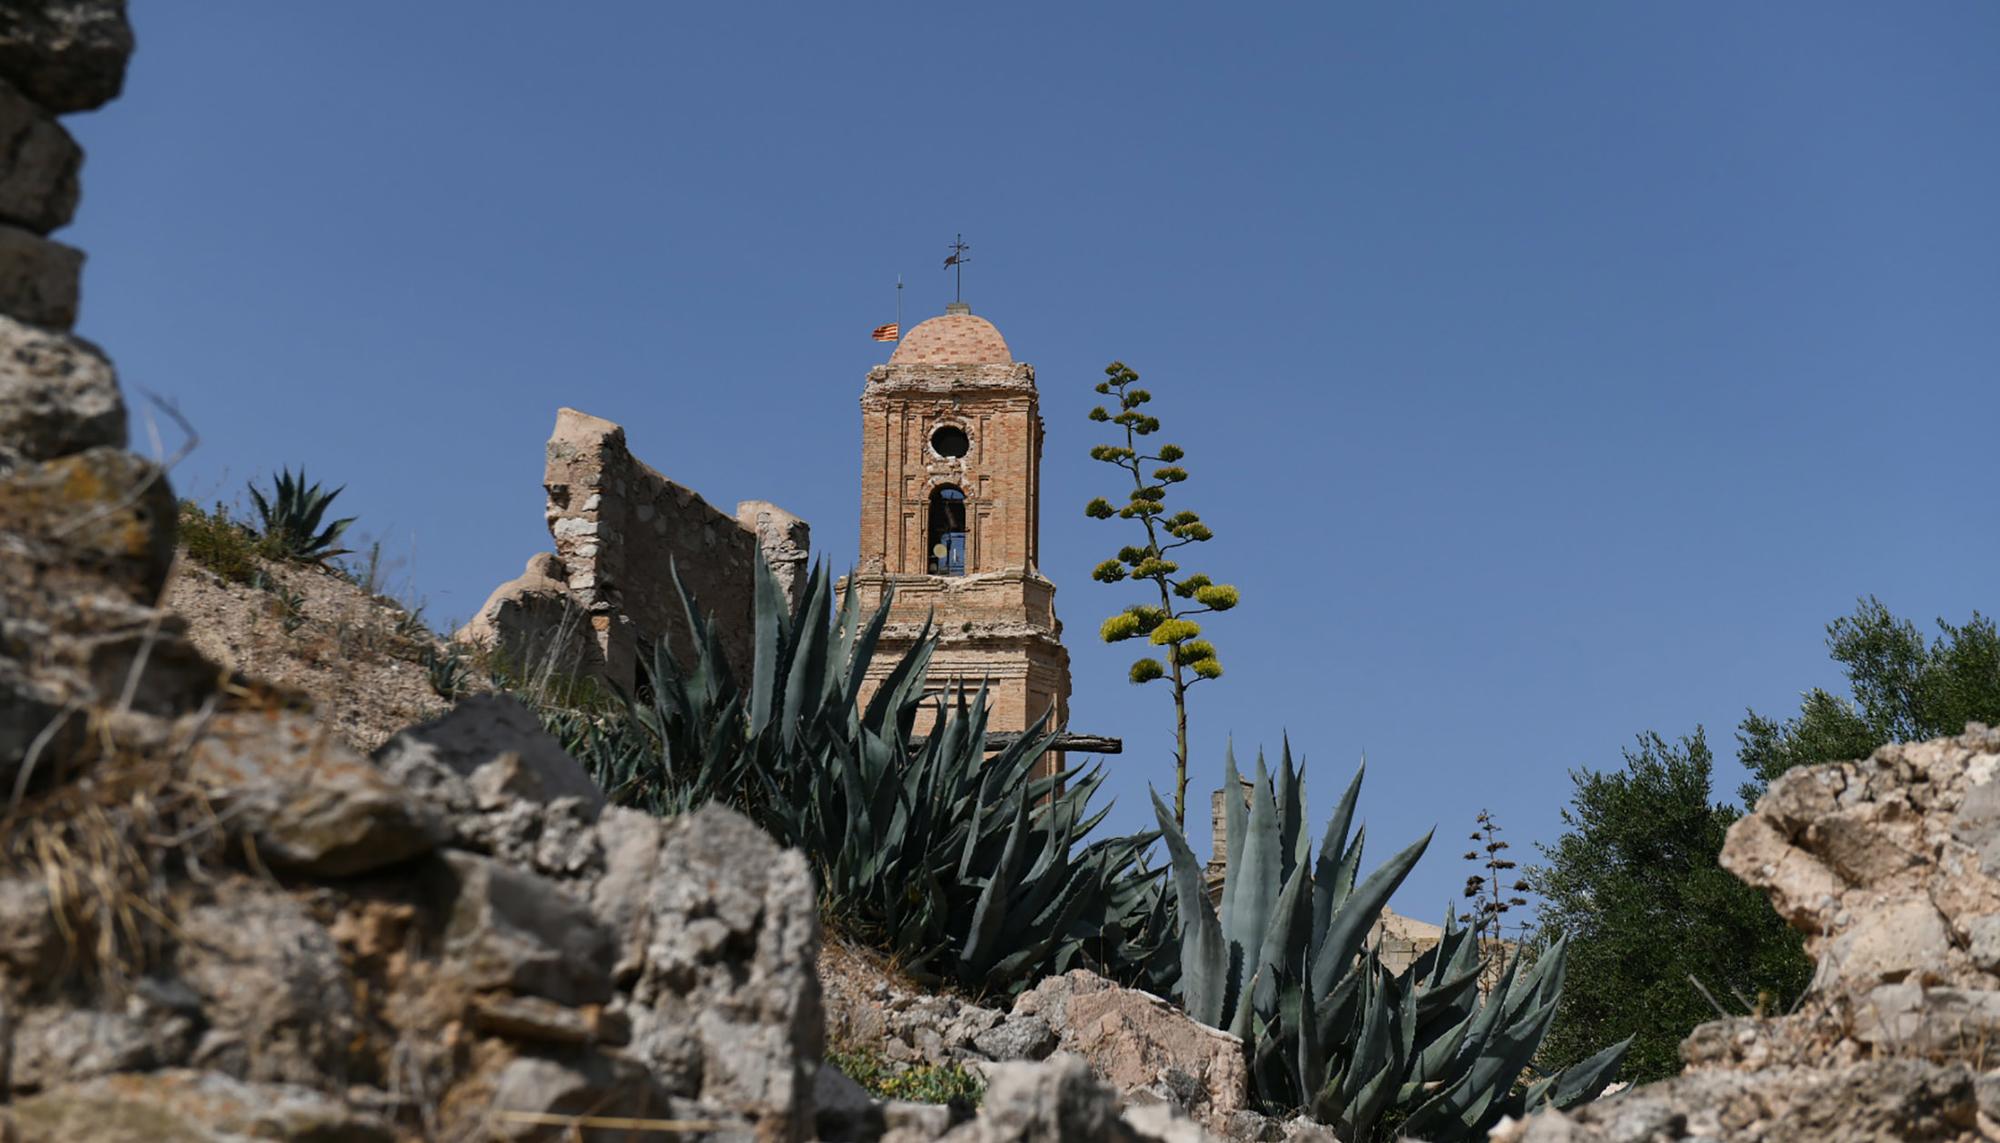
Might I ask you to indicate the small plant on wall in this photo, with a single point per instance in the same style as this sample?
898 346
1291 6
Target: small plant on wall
1184 657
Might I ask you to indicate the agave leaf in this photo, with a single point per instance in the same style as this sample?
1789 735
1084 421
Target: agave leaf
1204 954
1254 870
1585 1080
1351 922
1234 811
1332 849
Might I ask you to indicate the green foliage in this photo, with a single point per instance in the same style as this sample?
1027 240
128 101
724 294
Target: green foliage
1167 625
968 867
290 520
917 1083
291 608
1905 689
1634 888
1329 1029
449 676
218 543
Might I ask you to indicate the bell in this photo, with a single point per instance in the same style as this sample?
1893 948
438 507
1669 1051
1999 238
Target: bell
938 551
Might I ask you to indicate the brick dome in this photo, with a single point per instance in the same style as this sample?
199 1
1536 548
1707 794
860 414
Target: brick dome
953 339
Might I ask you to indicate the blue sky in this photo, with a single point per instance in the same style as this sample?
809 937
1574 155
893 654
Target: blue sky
1548 372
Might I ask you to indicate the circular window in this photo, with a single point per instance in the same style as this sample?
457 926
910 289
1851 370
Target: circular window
950 441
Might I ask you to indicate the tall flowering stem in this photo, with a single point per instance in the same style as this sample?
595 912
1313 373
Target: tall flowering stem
1183 657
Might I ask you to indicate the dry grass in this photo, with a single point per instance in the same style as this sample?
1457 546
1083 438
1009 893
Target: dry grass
104 847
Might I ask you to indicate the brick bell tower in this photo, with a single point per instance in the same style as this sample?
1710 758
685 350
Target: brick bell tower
951 463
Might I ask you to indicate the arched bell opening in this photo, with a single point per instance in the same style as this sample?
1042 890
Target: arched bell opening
947 531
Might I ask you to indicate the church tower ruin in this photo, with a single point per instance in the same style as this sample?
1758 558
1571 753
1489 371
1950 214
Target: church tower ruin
951 461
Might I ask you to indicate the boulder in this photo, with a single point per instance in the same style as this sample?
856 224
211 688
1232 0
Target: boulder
38 278
1138 1042
38 187
502 785
537 1096
67 55
304 799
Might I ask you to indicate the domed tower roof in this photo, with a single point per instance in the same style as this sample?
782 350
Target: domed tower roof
953 339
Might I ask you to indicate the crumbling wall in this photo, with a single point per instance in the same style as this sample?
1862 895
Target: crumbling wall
623 532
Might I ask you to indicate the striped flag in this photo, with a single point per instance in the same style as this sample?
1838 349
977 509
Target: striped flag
891 332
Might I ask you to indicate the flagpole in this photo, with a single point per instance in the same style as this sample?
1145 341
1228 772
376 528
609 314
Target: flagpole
899 307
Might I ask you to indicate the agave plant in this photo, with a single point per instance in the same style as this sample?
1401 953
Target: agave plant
290 520
1330 1030
969 867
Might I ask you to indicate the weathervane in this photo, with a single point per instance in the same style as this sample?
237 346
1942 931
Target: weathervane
958 259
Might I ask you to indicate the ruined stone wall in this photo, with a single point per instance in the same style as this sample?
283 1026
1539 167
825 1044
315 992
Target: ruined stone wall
622 534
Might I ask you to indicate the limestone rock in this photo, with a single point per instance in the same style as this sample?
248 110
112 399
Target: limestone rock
305 799
38 278
1887 865
498 745
539 631
510 929
153 1026
38 189
275 995
67 55
1881 1101
100 518
727 1000
1060 1101
187 1107
1136 1041
58 395
502 786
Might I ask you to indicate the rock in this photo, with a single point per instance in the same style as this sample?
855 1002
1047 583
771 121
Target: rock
539 632
1881 1101
67 55
38 187
1057 1101
727 1000
545 1022
277 999
99 519
502 786
510 929
842 1111
1134 1040
38 278
498 745
188 1107
1168 1124
533 1095
1016 1038
904 1121
306 800
154 1026
620 897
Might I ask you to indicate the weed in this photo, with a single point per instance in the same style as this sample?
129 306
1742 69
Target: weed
219 543
447 673
918 1083
291 608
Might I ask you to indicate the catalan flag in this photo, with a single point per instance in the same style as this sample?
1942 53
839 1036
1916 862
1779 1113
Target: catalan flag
891 332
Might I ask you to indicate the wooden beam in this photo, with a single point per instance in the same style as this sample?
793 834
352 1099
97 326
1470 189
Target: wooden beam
998 740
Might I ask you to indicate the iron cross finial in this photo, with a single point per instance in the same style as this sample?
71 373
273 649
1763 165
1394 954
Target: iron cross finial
958 259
